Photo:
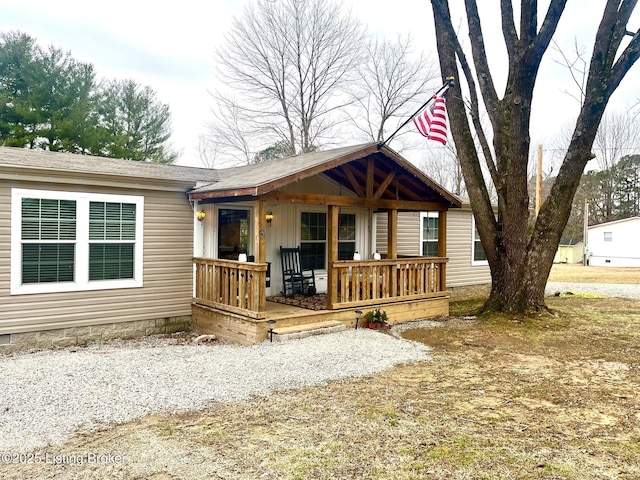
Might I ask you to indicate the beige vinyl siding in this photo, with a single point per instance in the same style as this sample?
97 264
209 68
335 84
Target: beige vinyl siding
167 269
460 270
408 233
5 241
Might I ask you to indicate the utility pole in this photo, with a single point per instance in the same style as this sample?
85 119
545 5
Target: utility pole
539 181
585 234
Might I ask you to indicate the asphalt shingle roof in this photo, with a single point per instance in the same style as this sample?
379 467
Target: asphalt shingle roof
69 162
271 170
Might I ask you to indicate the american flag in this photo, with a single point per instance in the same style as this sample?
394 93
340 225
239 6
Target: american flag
432 122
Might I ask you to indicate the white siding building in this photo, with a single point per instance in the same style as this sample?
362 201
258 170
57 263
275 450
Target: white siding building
614 244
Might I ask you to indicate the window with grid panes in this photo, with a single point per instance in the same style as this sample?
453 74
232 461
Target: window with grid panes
313 240
429 234
479 254
346 236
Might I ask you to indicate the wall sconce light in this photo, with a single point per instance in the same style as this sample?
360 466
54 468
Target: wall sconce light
200 215
269 218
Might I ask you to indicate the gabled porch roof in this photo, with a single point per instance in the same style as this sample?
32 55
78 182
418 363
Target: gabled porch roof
376 176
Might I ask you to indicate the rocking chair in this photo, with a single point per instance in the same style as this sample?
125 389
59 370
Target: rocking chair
294 279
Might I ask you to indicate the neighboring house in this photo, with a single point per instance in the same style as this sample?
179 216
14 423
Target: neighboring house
614 244
93 247
570 250
418 236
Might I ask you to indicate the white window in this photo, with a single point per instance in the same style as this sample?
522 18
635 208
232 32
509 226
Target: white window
608 236
313 240
429 234
346 236
71 241
478 255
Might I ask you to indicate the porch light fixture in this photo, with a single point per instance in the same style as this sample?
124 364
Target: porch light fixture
200 215
269 218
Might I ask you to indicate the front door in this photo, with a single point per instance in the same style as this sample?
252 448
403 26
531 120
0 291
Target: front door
233 233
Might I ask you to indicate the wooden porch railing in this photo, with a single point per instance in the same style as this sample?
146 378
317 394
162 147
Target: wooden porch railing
364 283
236 287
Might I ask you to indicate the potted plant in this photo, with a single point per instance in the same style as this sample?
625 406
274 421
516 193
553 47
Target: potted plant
376 319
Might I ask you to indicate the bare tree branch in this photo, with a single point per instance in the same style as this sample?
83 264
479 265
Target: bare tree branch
289 64
392 80
577 68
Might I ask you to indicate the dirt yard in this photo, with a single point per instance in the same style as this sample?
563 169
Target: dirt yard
552 397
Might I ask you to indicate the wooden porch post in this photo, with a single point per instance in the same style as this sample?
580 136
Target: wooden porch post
392 234
260 227
392 246
260 250
442 247
332 255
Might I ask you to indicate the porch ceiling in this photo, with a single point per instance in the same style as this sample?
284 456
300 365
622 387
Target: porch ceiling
390 180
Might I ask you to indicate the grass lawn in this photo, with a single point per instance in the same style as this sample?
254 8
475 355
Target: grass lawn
551 397
562 272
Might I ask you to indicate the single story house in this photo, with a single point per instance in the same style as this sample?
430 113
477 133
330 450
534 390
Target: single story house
418 236
570 250
94 248
614 244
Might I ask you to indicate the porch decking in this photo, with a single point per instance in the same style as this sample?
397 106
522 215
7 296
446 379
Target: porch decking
230 301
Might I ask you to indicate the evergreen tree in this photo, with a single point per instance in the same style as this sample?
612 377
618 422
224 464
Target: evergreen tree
136 125
627 193
50 101
20 105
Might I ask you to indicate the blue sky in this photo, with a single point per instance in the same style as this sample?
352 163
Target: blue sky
170 45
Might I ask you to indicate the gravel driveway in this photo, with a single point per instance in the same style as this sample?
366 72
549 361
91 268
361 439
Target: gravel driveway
46 396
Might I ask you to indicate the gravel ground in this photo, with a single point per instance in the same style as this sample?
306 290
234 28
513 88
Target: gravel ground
45 396
619 290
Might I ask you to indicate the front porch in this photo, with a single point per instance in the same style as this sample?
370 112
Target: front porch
231 304
324 204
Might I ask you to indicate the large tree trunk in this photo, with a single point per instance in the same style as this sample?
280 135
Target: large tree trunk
520 256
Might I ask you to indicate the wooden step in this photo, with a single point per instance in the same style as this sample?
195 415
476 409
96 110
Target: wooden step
281 334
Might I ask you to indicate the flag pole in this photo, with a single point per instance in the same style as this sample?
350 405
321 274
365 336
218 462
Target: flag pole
449 83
